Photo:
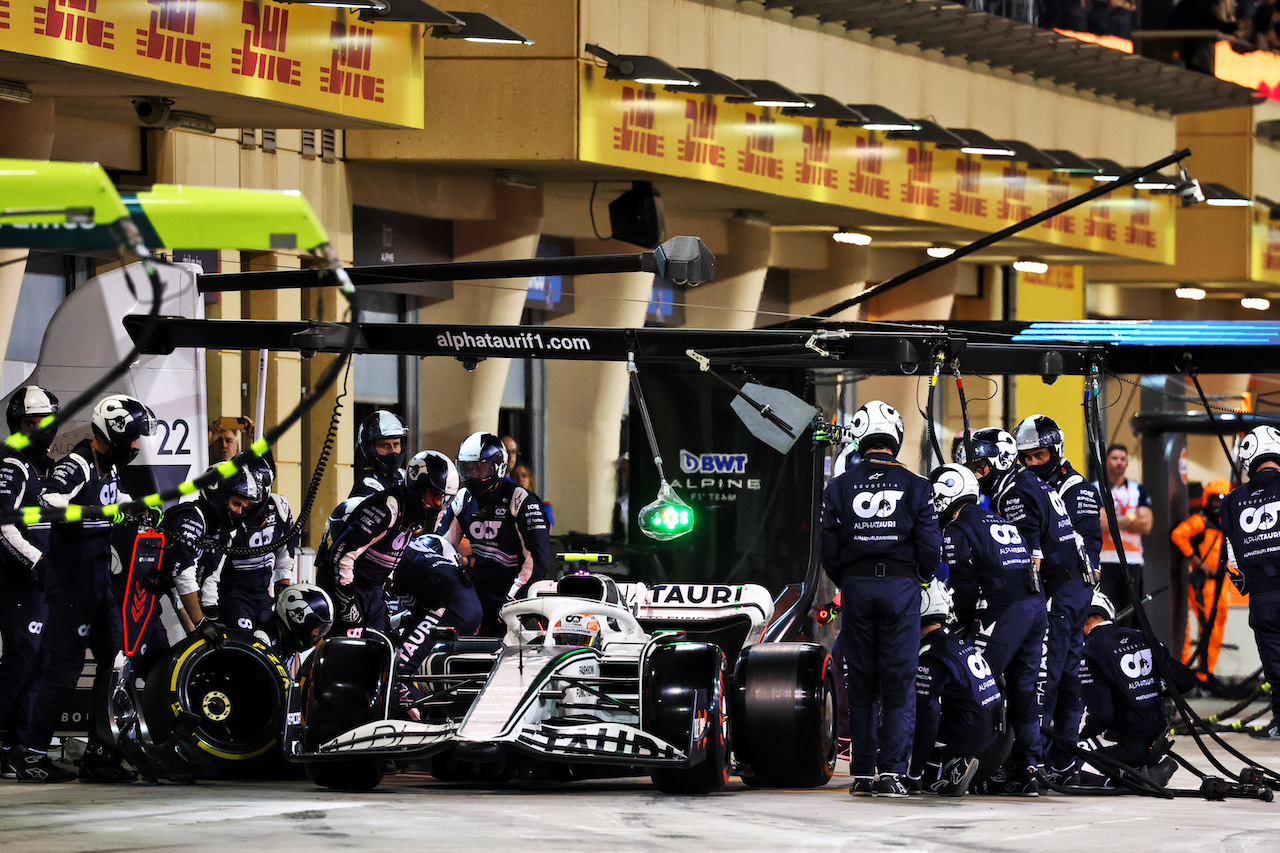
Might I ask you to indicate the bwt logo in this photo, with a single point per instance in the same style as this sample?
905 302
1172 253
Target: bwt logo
1260 517
712 463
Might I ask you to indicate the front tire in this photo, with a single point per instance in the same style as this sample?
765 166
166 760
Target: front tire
684 703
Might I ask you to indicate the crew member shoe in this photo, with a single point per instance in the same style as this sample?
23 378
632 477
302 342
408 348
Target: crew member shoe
32 766
890 785
1271 732
96 767
1019 783
956 777
863 786
1161 773
1069 778
7 759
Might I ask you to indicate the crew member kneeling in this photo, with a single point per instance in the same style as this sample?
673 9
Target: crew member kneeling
957 702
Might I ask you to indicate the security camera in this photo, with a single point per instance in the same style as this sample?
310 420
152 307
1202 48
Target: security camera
153 110
1190 192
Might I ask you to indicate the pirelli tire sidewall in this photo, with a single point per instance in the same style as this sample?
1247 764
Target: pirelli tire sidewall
228 703
783 715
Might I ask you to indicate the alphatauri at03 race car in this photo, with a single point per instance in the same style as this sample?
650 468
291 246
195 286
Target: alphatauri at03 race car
593 679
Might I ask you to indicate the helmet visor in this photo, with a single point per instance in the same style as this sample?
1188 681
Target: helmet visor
481 470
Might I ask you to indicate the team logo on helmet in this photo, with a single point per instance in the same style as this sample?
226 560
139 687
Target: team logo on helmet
877 420
950 484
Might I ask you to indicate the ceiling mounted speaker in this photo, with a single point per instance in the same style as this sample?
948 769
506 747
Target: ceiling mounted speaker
636 216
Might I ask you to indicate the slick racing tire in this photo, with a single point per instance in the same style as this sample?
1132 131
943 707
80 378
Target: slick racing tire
783 715
229 703
345 684
683 702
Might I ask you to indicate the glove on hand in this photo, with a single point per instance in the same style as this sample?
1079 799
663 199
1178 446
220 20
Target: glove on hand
347 606
211 631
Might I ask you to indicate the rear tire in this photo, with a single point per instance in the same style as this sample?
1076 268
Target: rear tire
684 703
783 715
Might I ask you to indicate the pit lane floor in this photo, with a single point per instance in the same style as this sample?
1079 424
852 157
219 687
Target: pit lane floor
412 811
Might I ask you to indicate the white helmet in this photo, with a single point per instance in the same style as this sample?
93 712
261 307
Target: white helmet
1101 606
996 447
935 600
1261 444
431 543
877 420
952 484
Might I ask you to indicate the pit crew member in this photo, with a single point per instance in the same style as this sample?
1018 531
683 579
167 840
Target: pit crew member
504 525
879 540
999 605
367 552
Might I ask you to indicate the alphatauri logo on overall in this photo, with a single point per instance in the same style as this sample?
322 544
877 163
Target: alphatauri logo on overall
1005 534
1136 664
712 463
1263 517
877 504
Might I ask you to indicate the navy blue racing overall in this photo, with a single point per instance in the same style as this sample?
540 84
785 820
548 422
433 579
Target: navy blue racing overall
1251 524
957 703
23 611
879 541
997 600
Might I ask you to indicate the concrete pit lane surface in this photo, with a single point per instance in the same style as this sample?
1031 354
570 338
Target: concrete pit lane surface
412 811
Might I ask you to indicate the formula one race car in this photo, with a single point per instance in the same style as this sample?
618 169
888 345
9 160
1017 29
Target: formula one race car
593 679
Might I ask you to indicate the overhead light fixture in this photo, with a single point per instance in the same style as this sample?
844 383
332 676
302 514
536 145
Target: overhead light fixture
1029 266
852 238
1156 183
480 29
1071 163
929 132
1255 303
1027 153
407 11
979 144
1190 292
939 251
876 117
16 92
713 83
1108 170
191 121
1217 195
824 106
640 69
766 93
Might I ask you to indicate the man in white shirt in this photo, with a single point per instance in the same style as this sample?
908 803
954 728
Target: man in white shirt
1133 512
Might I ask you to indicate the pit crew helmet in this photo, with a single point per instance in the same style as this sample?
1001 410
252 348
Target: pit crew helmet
482 462
576 629
303 614
431 471
431 543
935 602
379 425
1035 432
957 446
118 421
1101 606
1261 444
339 516
952 485
31 401
243 483
876 421
995 447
